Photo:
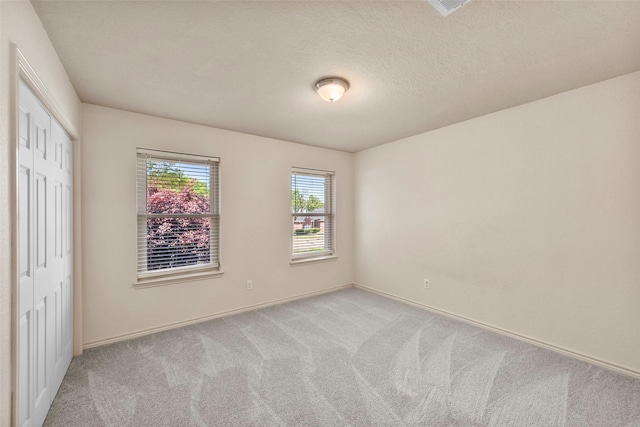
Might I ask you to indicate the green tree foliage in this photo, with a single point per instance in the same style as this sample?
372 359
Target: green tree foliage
313 203
297 201
166 176
300 203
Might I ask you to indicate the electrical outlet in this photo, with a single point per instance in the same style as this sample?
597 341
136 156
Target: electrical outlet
249 285
427 284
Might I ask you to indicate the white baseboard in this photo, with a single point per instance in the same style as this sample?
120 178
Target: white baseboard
175 325
585 358
570 353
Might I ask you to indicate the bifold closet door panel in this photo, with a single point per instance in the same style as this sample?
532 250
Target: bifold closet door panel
45 235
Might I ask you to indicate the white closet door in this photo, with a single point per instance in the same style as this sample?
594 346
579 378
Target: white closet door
62 256
26 255
45 258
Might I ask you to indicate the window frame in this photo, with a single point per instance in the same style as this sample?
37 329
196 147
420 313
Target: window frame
329 251
170 275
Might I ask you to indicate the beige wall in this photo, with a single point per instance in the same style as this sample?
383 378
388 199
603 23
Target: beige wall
20 25
255 227
527 219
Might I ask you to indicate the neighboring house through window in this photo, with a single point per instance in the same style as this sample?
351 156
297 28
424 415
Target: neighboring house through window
178 215
312 213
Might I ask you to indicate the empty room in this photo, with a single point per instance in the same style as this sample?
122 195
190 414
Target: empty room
319 213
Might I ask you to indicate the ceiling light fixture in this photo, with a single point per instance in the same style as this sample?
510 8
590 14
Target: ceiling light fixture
331 89
447 7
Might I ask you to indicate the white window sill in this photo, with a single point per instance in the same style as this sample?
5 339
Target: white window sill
174 279
304 261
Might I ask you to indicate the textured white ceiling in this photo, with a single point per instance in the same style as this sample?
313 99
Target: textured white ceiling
251 66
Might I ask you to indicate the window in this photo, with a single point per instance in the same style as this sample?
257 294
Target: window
178 214
312 213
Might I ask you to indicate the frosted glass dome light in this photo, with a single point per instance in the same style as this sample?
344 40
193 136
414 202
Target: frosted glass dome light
331 89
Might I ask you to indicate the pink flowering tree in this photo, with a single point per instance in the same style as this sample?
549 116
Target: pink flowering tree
174 240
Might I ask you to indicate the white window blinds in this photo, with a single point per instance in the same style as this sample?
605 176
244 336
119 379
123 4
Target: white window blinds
178 213
312 213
